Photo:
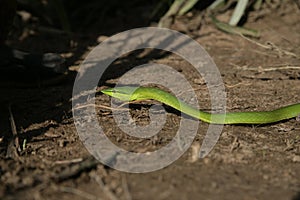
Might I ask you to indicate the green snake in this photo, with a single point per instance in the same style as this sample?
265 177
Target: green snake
127 93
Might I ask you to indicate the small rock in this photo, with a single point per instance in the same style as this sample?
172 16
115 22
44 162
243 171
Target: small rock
296 158
101 38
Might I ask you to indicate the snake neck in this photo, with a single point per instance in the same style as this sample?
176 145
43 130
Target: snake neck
170 100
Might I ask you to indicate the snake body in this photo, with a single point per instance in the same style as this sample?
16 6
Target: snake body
127 93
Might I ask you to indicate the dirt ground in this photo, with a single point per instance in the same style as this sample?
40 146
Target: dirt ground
248 162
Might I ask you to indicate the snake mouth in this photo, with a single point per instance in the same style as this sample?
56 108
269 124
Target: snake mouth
123 93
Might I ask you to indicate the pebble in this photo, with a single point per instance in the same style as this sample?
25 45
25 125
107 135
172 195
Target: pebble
296 158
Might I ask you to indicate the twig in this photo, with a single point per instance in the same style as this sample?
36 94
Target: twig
80 193
238 84
76 160
111 108
271 46
275 68
76 169
235 144
254 42
99 106
234 29
195 151
260 69
125 187
106 190
13 146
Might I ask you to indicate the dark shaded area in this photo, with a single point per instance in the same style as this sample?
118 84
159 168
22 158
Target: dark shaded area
297 196
36 92
23 75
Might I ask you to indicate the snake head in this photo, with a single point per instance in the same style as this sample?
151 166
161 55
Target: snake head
125 93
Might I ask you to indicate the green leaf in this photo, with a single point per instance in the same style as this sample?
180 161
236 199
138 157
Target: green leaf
187 6
238 12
